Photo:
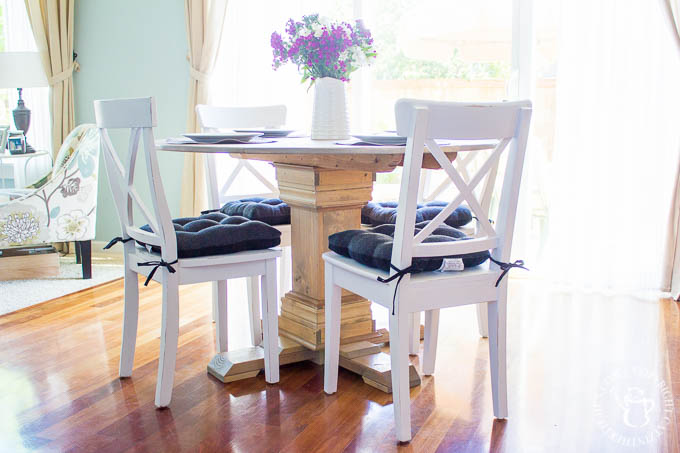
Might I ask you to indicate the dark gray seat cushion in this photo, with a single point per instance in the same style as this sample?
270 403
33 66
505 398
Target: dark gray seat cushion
373 247
219 234
271 211
386 213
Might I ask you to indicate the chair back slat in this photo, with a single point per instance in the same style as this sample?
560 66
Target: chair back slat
213 118
461 120
507 211
456 248
143 236
423 122
138 115
125 113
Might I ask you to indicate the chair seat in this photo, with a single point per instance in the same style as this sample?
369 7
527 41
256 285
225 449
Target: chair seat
385 212
481 271
271 211
219 234
373 247
143 254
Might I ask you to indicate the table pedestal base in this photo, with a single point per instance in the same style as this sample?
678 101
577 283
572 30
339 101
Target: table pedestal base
323 201
361 357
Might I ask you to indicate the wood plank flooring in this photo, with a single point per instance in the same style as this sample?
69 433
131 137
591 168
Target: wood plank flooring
587 373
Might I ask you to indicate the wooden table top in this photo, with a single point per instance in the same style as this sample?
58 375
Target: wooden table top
304 151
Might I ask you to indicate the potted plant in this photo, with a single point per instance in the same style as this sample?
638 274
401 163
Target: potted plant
326 53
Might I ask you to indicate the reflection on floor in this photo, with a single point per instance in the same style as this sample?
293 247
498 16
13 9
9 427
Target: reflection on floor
587 373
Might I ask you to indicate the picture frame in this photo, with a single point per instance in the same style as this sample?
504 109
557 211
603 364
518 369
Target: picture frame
4 135
17 144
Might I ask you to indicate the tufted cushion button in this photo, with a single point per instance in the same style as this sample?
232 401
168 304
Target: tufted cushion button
373 247
219 234
271 211
386 213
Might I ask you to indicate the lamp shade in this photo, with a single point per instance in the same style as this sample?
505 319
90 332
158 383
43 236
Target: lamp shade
21 70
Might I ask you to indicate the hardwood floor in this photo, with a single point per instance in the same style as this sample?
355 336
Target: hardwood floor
587 373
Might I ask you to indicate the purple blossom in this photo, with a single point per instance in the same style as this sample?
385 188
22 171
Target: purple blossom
333 50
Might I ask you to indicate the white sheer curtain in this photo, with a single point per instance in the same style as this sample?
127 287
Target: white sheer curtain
616 146
19 38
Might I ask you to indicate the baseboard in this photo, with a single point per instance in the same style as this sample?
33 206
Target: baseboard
98 248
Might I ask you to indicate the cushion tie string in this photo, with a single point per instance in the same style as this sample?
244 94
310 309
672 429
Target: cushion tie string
399 275
156 265
505 267
115 240
208 211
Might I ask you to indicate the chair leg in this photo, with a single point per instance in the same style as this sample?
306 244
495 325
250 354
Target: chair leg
284 271
85 252
214 301
253 291
130 318
497 355
414 333
270 320
332 338
220 302
400 365
431 334
482 320
77 247
169 337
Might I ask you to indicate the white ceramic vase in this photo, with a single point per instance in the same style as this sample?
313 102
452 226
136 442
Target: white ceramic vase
329 117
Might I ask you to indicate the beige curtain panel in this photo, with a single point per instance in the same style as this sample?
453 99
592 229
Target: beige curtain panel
52 25
671 10
204 21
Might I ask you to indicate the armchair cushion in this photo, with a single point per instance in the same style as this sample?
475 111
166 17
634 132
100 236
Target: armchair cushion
373 247
271 211
386 213
219 234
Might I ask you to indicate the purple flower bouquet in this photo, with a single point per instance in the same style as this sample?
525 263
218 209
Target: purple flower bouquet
321 48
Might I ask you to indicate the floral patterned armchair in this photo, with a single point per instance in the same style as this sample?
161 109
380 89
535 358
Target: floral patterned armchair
62 207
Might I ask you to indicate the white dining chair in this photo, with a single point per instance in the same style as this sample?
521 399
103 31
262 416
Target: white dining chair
168 265
213 119
402 293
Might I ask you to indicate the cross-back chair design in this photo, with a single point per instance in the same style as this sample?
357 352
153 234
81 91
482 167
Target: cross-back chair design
165 267
212 119
423 122
463 165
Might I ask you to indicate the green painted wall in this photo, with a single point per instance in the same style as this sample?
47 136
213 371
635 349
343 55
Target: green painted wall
133 48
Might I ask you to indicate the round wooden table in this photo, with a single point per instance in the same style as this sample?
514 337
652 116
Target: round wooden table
326 184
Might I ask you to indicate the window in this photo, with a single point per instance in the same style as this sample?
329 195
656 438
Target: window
16 36
603 149
437 49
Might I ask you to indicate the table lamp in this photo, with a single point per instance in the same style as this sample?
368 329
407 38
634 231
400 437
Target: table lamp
22 70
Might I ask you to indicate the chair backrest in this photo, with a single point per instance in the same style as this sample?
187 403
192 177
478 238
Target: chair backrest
423 122
138 115
213 118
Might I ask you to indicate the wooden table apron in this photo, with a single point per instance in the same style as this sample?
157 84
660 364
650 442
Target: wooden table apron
326 185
